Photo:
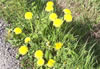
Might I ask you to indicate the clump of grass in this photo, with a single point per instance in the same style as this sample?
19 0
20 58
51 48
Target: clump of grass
82 9
58 42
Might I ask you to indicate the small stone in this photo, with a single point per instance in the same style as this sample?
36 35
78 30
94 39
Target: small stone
0 25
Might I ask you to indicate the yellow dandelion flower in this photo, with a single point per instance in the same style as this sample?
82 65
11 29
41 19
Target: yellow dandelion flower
67 11
53 16
27 39
68 17
38 54
40 62
23 50
17 30
50 3
49 8
57 22
50 63
28 15
58 45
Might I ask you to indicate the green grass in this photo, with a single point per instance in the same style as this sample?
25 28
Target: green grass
78 51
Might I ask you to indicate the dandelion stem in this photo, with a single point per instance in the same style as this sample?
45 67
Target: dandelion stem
31 26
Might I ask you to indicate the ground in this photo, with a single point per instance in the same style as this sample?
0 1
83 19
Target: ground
7 53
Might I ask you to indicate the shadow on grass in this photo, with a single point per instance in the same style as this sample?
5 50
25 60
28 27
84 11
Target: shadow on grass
82 31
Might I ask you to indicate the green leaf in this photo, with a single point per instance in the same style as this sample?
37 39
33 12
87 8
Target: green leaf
47 54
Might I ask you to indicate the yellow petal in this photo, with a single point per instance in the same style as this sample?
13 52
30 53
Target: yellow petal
38 54
50 3
40 62
23 50
67 11
57 22
27 39
53 16
68 17
28 15
49 8
17 30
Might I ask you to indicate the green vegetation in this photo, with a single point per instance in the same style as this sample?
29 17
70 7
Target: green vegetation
78 50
